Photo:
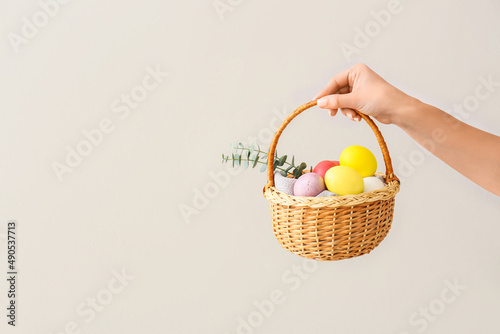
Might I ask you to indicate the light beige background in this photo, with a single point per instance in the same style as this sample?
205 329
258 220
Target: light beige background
229 78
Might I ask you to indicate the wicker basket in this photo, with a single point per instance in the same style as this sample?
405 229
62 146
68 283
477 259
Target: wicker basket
336 227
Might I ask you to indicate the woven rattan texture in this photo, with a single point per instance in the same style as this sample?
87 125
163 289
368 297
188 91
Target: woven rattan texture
332 228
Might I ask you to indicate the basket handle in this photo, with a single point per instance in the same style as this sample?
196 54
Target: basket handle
270 157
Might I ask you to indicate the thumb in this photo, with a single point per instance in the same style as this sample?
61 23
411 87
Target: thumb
336 101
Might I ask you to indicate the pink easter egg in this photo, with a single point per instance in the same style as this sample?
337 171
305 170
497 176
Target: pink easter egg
309 184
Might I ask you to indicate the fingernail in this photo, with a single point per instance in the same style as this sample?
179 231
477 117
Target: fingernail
321 102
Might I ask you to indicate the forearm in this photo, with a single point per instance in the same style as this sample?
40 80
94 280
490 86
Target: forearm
470 151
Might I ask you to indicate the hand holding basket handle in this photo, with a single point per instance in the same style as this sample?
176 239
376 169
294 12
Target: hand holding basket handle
463 147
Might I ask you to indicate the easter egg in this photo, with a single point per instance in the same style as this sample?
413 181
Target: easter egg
360 158
372 183
308 184
344 180
323 166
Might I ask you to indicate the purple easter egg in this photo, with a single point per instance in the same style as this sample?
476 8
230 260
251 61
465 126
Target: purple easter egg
309 184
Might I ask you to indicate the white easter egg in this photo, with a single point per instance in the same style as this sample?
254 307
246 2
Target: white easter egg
372 183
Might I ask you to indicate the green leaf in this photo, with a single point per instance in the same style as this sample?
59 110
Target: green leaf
296 173
293 160
303 166
282 160
239 160
255 160
283 173
232 154
263 168
251 148
288 169
245 161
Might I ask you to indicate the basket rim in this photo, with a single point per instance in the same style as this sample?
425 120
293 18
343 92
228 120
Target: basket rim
278 197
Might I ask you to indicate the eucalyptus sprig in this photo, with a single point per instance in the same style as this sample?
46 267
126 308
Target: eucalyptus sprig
252 155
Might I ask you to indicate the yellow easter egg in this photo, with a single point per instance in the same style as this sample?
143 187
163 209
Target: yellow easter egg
360 158
344 180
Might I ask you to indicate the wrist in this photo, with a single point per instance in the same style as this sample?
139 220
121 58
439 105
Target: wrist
405 115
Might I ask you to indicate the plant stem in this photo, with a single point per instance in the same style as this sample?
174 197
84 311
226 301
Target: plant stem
244 148
259 162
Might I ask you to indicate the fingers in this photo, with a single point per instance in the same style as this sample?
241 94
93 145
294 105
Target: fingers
337 82
345 102
341 99
336 101
343 90
351 113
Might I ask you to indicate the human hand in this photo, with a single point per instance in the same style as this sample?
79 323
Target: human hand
359 88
